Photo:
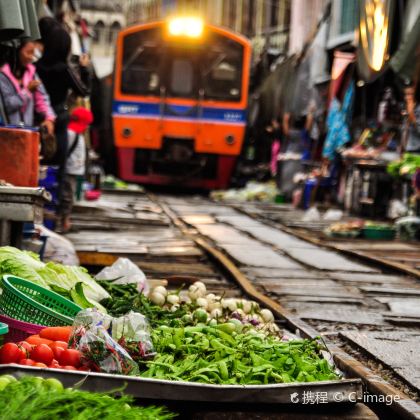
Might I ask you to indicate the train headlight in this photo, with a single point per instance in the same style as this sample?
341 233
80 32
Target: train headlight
190 27
176 27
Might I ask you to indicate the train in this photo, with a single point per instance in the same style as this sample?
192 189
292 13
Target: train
180 98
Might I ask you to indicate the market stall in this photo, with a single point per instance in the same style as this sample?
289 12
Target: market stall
160 344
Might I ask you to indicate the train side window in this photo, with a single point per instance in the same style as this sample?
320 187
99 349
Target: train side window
182 77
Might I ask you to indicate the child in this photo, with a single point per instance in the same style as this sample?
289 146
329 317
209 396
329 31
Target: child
80 120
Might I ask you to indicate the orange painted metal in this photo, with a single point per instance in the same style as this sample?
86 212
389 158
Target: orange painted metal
208 137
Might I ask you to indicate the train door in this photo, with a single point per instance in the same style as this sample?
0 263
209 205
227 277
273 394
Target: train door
180 91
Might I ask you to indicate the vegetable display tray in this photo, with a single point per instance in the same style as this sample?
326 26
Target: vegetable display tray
339 391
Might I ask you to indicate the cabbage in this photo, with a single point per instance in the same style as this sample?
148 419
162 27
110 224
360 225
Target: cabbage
21 264
59 277
70 275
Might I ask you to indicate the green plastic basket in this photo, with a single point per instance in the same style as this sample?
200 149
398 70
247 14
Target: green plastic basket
4 328
26 301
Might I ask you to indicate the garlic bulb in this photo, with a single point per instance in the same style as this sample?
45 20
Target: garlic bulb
157 298
172 299
160 289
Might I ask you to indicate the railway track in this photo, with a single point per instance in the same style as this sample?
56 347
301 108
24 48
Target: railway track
178 240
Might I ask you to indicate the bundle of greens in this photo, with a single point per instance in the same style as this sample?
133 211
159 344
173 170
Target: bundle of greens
219 355
406 166
125 298
33 398
72 282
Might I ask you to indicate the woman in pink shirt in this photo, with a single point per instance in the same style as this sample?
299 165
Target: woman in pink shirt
22 91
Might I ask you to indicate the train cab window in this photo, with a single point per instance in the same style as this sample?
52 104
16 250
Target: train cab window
182 78
222 72
141 61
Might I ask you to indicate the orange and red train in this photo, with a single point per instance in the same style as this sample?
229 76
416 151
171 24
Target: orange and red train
179 103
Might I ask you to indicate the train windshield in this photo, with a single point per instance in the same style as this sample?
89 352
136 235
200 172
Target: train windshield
222 70
215 68
141 63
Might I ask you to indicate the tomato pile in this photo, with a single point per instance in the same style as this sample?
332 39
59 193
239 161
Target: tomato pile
48 349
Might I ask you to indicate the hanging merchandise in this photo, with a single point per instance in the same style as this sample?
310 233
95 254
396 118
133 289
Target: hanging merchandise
338 124
11 22
341 62
375 29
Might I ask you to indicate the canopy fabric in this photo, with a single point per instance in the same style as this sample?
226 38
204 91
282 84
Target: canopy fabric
11 21
403 62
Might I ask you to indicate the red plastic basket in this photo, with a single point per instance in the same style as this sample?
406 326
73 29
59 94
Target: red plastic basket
19 330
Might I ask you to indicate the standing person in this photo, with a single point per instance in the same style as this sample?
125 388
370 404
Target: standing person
22 92
412 99
80 120
276 134
59 79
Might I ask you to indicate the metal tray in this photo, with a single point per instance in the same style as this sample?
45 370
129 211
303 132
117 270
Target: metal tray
340 391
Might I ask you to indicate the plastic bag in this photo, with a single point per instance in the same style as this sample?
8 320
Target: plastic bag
333 215
397 209
58 248
408 228
100 352
124 271
311 215
132 331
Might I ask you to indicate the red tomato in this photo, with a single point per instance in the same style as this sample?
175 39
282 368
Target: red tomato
10 353
84 369
27 362
70 357
25 345
68 368
43 354
54 364
57 352
60 344
41 365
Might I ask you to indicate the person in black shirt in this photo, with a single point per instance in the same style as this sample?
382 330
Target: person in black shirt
60 79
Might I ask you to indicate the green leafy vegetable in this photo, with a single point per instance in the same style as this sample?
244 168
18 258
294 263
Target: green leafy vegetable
58 277
32 398
406 166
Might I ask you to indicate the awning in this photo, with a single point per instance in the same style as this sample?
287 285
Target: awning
403 61
18 19
11 21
